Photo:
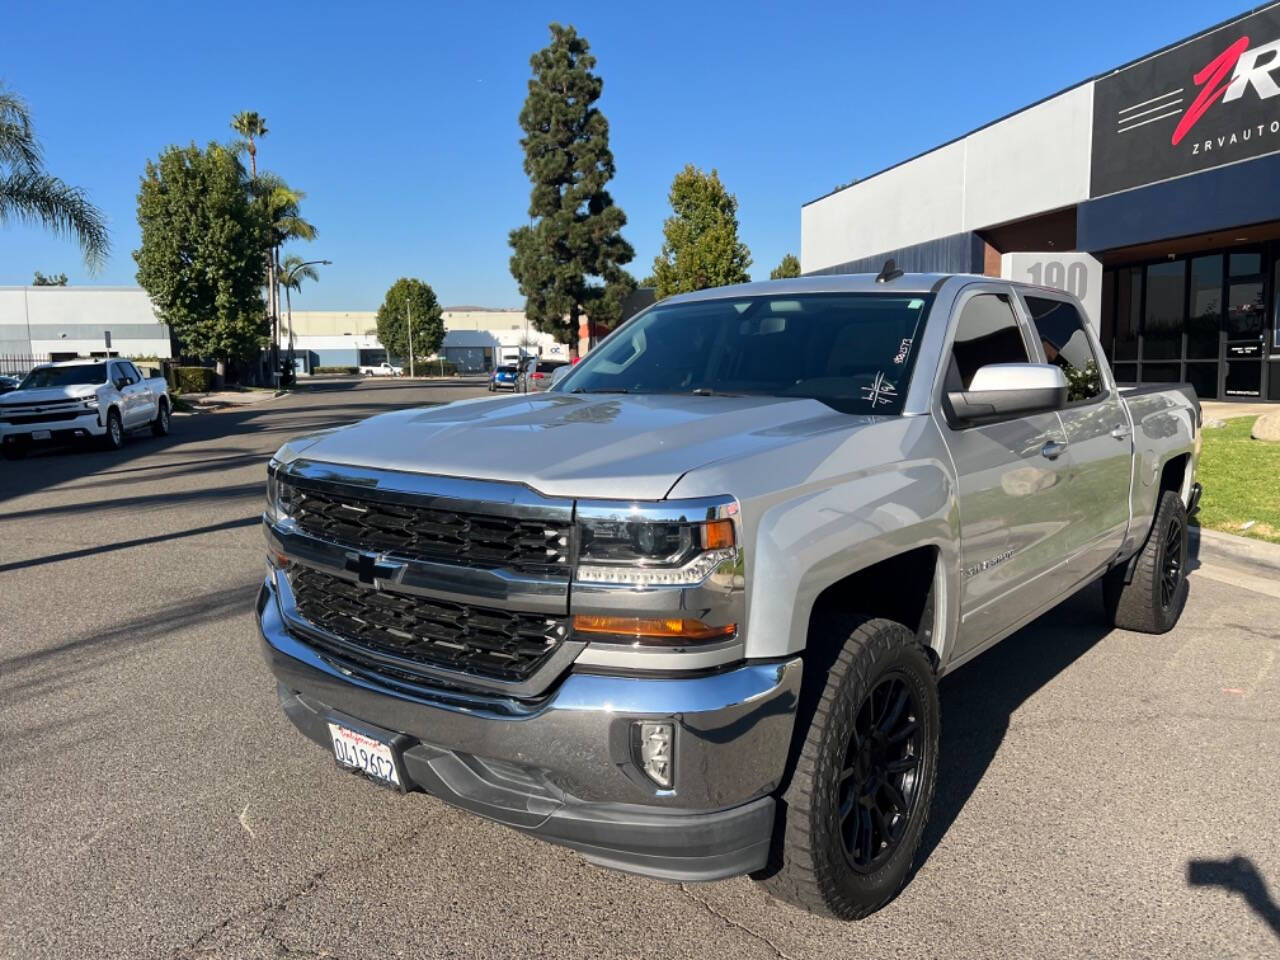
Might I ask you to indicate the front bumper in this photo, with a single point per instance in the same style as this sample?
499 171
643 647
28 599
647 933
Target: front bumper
60 430
561 768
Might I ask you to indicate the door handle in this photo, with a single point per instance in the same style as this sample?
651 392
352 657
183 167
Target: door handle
1121 432
1052 450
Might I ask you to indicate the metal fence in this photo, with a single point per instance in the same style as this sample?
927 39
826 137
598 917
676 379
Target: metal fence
20 364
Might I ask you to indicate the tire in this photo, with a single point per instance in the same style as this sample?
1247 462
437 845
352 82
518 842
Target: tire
880 681
1154 599
160 425
113 439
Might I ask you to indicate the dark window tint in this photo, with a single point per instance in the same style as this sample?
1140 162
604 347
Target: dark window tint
1128 310
1160 373
1246 264
987 332
1061 331
1244 378
1244 311
1162 320
1204 317
1125 372
1204 377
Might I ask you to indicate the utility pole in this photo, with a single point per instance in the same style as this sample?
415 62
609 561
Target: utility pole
409 313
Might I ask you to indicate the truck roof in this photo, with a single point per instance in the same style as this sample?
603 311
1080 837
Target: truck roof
78 362
826 283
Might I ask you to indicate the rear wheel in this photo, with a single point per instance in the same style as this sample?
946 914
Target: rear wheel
856 806
1153 600
160 425
113 439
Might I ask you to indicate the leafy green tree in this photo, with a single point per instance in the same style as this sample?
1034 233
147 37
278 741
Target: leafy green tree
52 280
410 297
252 127
569 258
30 195
788 268
201 255
700 246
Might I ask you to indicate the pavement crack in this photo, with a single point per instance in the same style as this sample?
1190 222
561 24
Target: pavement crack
728 920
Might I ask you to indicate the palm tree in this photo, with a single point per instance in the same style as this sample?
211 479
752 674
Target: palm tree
29 195
281 208
293 270
251 126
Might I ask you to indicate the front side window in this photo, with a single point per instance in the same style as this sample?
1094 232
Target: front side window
1066 345
853 352
987 332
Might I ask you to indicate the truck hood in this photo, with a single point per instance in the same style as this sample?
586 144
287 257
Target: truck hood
597 446
47 395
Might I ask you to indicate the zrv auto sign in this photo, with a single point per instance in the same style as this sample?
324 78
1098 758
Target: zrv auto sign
1203 103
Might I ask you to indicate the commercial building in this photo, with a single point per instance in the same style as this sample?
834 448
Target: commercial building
476 340
61 323
1152 192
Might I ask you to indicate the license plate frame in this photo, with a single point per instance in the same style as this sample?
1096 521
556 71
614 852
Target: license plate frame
41 434
373 753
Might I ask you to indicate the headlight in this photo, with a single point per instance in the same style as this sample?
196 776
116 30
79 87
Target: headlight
279 494
652 546
91 403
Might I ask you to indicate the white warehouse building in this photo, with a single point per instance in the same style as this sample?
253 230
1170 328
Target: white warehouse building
61 323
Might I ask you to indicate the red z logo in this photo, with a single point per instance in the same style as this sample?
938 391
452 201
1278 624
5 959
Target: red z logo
1212 81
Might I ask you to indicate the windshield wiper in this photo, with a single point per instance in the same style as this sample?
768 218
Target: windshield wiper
600 390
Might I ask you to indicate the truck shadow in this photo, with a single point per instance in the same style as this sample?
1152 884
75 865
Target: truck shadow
1237 875
979 699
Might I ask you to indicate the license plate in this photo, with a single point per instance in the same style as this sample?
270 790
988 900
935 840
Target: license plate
371 756
40 434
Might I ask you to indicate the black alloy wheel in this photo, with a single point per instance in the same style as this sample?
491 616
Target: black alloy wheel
1171 572
878 785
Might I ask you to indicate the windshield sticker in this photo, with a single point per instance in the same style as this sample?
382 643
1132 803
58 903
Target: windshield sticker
903 349
879 391
915 304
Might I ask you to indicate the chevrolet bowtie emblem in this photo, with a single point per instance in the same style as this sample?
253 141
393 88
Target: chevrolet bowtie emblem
369 567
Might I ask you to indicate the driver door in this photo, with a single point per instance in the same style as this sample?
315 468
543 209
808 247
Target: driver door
1010 477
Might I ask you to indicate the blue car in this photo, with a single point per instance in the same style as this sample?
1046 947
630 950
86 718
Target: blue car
504 378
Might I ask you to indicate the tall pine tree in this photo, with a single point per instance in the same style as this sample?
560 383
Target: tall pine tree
570 257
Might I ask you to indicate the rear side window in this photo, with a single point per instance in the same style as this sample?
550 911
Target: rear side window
987 332
1061 331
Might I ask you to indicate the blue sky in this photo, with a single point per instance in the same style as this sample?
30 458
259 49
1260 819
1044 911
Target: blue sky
399 120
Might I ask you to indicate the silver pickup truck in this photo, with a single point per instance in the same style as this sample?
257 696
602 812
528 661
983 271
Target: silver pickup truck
686 612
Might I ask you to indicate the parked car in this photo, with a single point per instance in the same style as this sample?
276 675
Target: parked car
383 369
504 377
538 376
686 613
8 383
79 399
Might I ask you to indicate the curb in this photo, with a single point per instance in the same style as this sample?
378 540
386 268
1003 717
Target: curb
1212 545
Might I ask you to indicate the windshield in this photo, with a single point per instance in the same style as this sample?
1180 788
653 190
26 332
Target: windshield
65 376
853 352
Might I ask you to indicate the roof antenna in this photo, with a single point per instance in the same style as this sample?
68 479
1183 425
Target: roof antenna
889 272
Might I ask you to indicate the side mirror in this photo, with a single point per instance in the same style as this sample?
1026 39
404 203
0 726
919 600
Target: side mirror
559 373
1001 390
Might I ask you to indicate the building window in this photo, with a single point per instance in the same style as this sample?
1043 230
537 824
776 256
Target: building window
1204 314
1162 318
1128 310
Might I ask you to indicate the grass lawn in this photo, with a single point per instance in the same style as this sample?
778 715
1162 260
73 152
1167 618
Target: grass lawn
1241 478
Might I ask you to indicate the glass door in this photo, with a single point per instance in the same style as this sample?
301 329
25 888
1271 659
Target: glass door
1246 327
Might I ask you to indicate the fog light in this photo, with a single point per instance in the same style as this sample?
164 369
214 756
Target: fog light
655 743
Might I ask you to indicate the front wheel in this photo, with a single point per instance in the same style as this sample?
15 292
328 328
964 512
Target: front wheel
113 439
855 809
1152 601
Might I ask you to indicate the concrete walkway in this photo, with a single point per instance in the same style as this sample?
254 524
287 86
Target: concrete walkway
217 399
1222 410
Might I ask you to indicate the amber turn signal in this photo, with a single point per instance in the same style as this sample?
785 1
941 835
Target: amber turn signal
717 535
652 628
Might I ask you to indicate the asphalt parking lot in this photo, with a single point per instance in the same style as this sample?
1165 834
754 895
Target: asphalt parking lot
1101 793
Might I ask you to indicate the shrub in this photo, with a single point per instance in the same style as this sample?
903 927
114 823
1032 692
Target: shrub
194 379
437 368
347 370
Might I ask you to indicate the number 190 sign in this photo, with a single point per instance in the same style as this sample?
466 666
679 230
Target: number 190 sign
1078 274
